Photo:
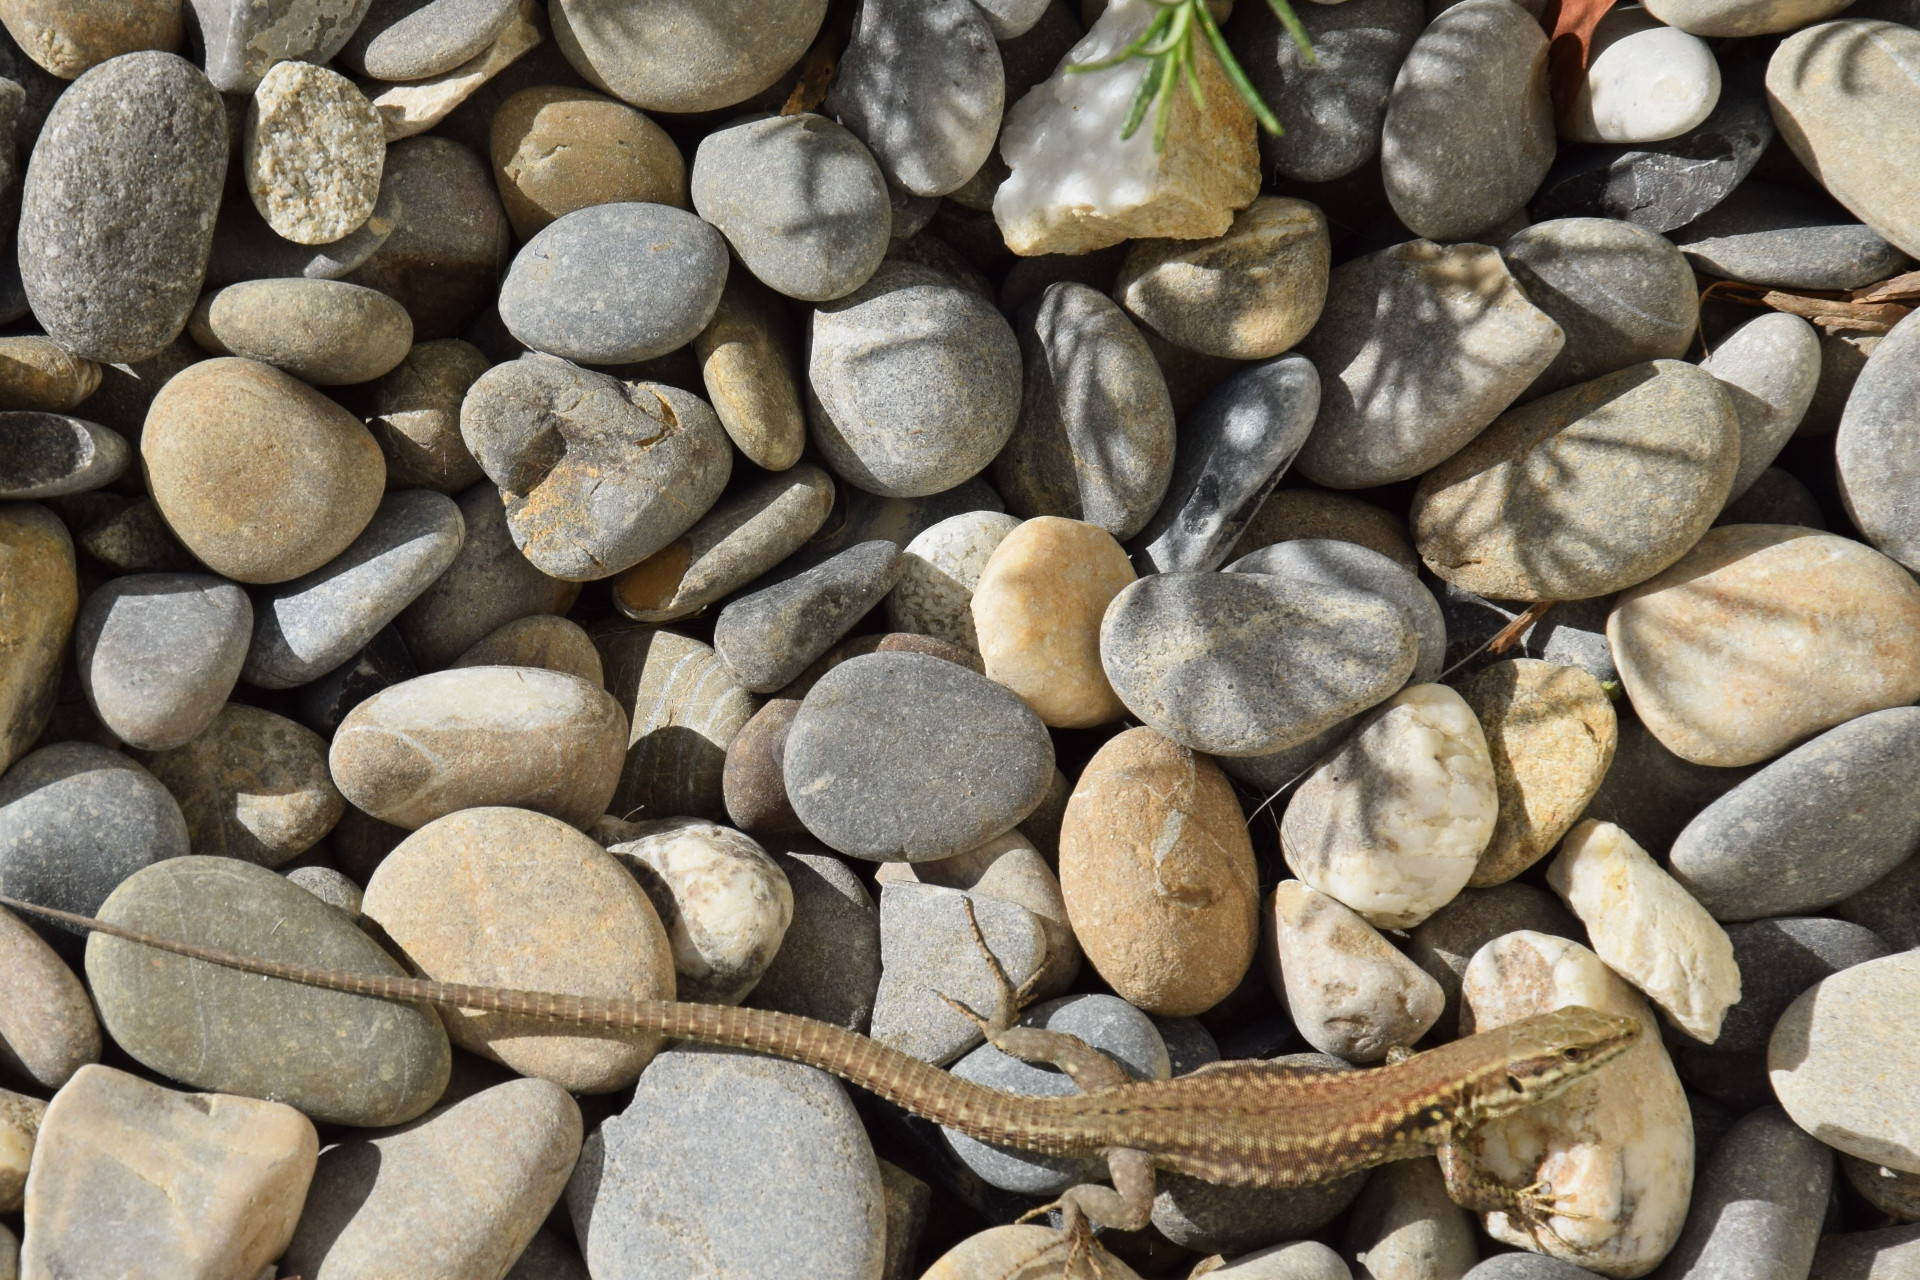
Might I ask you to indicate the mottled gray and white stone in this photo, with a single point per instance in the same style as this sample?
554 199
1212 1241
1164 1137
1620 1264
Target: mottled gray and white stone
1333 563
1770 367
51 455
1877 449
243 38
939 569
1786 238
767 638
158 653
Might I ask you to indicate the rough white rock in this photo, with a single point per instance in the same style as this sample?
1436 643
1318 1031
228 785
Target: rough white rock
1645 81
313 153
938 572
1350 992
1393 822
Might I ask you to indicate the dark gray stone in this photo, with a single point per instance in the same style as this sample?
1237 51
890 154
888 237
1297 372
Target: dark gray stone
1886 1254
615 282
158 653
913 382
488 585
339 1058
1877 449
1190 1045
1817 825
901 755
921 85
1446 941
1652 793
1232 451
305 628
49 455
246 248
415 39
926 946
443 260
767 638
730 1163
1757 1207
1890 906
1528 1266
1333 563
799 199
1573 633
1786 238
383 663
1244 664
242 39
1776 497
118 208
1094 441
1332 108
75 820
1778 960
828 965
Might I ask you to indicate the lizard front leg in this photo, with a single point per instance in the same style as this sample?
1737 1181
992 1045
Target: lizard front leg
1533 1207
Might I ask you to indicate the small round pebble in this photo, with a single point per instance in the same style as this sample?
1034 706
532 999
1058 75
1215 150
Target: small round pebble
416 416
325 332
416 39
1025 1253
1406 1227
1645 82
1878 464
1851 1078
330 886
443 261
1329 562
748 355
39 373
1770 367
253 785
47 1026
313 152
556 149
828 964
69 38
767 638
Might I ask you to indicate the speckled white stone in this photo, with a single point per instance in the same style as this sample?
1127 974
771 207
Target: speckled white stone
314 151
1645 82
934 596
1350 992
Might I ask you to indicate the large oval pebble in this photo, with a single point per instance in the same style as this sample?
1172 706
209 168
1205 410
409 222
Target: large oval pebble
1878 457
684 55
1850 1079
158 653
325 332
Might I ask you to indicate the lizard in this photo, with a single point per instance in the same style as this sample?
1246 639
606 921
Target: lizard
1238 1123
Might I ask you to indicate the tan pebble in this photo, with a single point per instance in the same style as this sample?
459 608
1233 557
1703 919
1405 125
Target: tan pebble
69 36
557 149
39 373
48 1029
313 150
416 416
325 332
39 596
1348 990
20 1118
748 355
553 644
1037 611
1158 875
1291 514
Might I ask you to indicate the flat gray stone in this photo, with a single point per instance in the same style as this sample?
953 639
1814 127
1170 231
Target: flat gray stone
1817 825
488 585
1333 563
340 1058
415 39
799 199
1877 449
733 1164
1770 367
305 628
158 653
242 39
1232 451
901 755
1244 664
1843 1064
1867 1255
117 212
1094 440
1786 238
1778 960
614 283
828 965
50 455
927 946
1758 1204
767 638
684 55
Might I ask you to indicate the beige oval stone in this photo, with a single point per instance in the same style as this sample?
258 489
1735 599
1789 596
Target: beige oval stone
47 1026
39 595
259 475
1764 635
1617 1147
544 641
416 416
747 356
253 785
69 36
1037 611
1292 514
39 373
457 739
1844 1064
1347 989
507 898
313 150
1245 295
1584 491
325 332
557 149
1158 875
1551 733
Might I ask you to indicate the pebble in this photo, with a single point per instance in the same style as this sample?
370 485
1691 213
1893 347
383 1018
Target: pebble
47 1027
415 39
1348 991
779 1179
20 1118
443 260
1878 466
1538 506
1699 644
39 596
259 475
39 373
252 785
1888 1190
1155 862
725 903
1779 959
1420 347
313 149
157 654
341 1059
488 585
50 455
412 108
1036 611
1332 563
1616 1147
1551 733
244 39
1444 943
1249 294
1621 294
544 641
118 205
1288 514
1009 868
634 464
1645 81
615 283
752 783
1076 185
685 55
799 199
1769 368
927 946
1025 1253
898 520
1406 1227
879 729
135 539
503 897
119 1158
1787 238
324 703
557 149
940 568
1462 151
748 353
482 736
684 710
75 820
1846 1078
1863 1255
456 1194
1233 450
914 382
1245 664
1095 436
1741 17
767 638
325 332
828 964
246 248
69 39
330 886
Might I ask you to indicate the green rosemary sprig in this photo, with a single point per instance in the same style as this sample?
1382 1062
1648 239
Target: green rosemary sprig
1168 44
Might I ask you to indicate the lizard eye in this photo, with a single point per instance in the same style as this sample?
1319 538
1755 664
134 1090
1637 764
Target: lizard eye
1573 1054
1513 1083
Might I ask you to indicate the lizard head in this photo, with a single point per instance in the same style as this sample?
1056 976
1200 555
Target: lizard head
1538 1058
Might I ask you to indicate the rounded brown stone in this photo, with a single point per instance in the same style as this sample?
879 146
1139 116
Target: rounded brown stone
544 641
39 595
444 259
747 356
68 36
503 897
259 475
751 782
416 416
557 149
39 373
1292 514
325 332
1158 875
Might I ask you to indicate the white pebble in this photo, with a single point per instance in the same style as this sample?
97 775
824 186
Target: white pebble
1645 81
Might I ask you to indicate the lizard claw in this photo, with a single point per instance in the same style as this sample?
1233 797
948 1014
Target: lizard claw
1536 1207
